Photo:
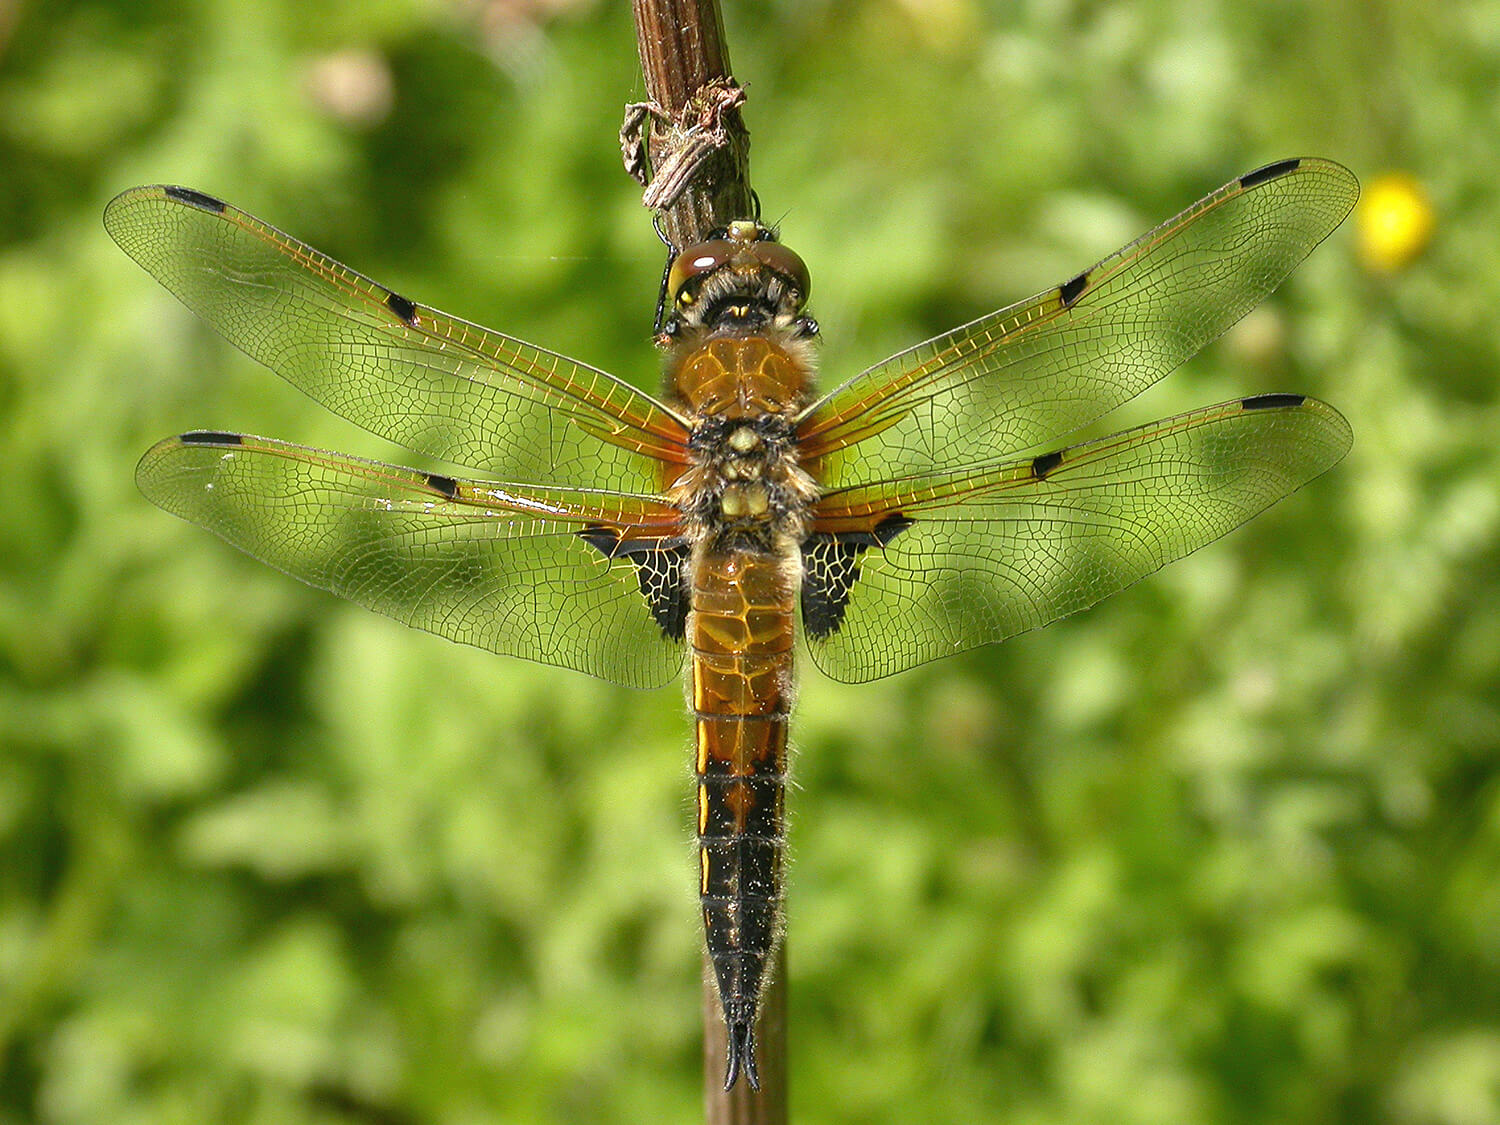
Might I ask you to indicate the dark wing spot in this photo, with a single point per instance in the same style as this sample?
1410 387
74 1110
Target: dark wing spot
195 199
1269 172
660 570
1044 464
1271 402
211 437
446 485
1072 289
403 308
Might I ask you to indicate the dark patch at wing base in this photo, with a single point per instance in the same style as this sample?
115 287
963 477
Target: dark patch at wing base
888 528
830 568
195 199
661 570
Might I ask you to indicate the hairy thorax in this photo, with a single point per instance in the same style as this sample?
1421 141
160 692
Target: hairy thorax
744 488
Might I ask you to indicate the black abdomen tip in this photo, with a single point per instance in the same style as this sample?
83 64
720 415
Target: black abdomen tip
741 1055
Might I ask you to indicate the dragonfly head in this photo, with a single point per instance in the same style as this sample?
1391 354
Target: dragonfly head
740 280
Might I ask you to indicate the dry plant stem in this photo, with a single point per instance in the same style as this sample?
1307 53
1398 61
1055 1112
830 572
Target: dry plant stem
696 137
686 67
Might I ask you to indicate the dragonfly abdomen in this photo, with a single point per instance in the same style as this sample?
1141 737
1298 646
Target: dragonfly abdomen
741 630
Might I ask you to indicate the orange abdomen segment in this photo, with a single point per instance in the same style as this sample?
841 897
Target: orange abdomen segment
740 632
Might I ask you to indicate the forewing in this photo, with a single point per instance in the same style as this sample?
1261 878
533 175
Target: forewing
978 557
428 381
1032 373
510 570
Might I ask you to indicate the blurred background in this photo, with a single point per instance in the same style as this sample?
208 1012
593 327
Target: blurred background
1224 849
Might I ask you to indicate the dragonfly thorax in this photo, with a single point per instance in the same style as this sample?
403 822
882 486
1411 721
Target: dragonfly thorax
737 342
744 487
739 368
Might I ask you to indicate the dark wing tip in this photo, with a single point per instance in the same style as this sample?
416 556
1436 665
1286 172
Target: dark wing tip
1269 172
1271 401
201 200
741 1055
211 437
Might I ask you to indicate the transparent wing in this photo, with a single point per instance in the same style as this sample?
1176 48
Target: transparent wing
991 553
430 382
501 568
1034 372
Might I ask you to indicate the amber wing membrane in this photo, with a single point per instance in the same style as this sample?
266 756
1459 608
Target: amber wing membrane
430 382
500 567
1035 372
992 552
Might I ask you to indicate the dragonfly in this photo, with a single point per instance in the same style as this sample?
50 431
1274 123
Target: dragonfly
921 508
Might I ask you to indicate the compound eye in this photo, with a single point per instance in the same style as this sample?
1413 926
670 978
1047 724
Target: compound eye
694 263
778 259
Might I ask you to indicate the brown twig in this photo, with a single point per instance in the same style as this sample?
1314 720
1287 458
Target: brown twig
687 145
690 140
695 157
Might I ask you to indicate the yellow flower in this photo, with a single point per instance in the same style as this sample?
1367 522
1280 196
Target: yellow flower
1395 222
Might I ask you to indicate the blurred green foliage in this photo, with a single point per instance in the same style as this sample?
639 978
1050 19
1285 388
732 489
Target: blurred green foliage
1224 850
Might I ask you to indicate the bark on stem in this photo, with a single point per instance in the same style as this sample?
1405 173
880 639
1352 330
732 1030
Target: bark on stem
685 63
